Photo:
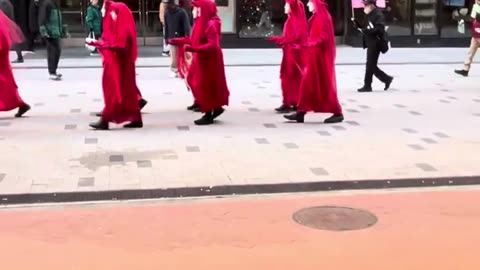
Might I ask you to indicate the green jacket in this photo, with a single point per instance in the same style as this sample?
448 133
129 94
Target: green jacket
50 20
93 21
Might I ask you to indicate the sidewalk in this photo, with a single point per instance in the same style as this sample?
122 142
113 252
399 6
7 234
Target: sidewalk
150 57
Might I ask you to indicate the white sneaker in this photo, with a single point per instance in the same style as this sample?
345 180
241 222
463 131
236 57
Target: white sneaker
55 77
174 75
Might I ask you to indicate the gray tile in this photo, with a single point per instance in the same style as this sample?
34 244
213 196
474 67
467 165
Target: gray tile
81 92
116 158
410 130
266 81
86 182
319 171
4 124
253 110
476 100
444 101
38 104
275 96
364 106
429 141
270 125
415 91
336 127
97 100
352 100
445 90
452 98
426 167
290 145
2 176
352 111
416 147
144 164
353 123
70 126
400 106
91 140
415 113
324 133
63 95
476 114
261 87
75 110
441 135
183 128
170 157
193 149
167 93
246 102
261 141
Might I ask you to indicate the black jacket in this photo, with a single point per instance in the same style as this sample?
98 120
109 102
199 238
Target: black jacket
374 29
33 17
7 8
177 24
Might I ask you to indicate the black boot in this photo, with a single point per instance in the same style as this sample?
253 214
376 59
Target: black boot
365 89
336 118
206 119
141 103
462 72
217 112
22 110
284 109
388 83
297 116
100 125
98 114
135 124
194 107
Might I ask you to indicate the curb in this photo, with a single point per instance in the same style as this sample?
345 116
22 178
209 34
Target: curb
205 191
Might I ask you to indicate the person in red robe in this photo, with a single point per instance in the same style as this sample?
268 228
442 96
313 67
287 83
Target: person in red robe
118 48
10 34
205 72
318 89
295 32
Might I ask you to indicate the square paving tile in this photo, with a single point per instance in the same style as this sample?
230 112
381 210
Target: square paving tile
364 106
4 124
183 128
415 91
91 140
415 113
116 158
410 130
429 141
441 135
63 95
261 141
246 102
167 93
97 100
476 100
170 157
70 126
38 104
275 96
352 100
144 164
290 145
319 171
444 101
416 147
81 92
336 127
270 125
352 111
324 133
400 106
253 110
352 123
2 176
193 149
86 182
452 98
426 167
476 114
445 90
261 87
75 110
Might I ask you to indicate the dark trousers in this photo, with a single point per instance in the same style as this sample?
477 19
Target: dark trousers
373 53
19 54
53 54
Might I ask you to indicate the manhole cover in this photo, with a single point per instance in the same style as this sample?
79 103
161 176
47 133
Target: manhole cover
334 218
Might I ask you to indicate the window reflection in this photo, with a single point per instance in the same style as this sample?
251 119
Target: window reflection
453 11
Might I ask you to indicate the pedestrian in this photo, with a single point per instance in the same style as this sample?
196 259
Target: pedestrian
475 41
177 25
206 73
51 29
93 21
295 32
376 42
118 48
7 8
318 89
33 23
10 34
161 16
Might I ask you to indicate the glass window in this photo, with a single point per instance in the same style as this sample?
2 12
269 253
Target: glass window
260 18
226 12
425 17
73 17
452 14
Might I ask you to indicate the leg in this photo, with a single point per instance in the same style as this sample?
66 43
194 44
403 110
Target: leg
474 44
58 52
372 59
173 59
19 55
50 56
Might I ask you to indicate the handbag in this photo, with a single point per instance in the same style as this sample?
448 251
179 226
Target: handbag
90 38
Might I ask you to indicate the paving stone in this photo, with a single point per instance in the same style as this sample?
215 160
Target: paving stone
410 130
290 145
400 106
452 98
352 111
86 182
337 127
261 141
2 176
426 167
63 95
97 100
415 91
167 93
253 110
270 125
353 123
91 140
364 106
319 171
476 114
352 100
38 104
70 126
429 141
116 158
275 96
441 135
170 157
75 110
415 113
246 102
81 92
324 133
416 147
261 87
183 128
193 149
144 164
445 90
4 124
444 101
476 100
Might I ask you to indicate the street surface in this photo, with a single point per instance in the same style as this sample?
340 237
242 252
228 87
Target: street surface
415 230
427 125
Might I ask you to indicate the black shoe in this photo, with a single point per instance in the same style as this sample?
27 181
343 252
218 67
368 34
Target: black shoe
98 114
100 125
136 124
284 109
194 107
22 110
388 83
18 61
141 103
336 118
217 112
206 119
365 89
298 116
462 72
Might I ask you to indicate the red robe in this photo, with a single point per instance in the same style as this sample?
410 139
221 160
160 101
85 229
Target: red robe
9 34
318 90
295 32
119 52
205 75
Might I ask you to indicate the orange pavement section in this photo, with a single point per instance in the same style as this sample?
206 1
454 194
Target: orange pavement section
425 230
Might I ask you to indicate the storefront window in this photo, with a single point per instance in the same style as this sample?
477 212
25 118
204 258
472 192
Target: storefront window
453 12
425 17
226 12
73 17
260 18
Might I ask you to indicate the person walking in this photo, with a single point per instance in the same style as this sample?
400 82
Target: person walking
375 41
51 29
7 8
475 41
93 21
161 16
177 25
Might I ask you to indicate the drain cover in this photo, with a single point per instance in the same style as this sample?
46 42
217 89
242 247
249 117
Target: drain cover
334 218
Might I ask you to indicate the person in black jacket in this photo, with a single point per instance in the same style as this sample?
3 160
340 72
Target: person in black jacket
374 40
177 25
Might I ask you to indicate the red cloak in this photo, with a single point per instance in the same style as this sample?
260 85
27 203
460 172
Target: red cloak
318 90
119 52
295 32
9 34
205 75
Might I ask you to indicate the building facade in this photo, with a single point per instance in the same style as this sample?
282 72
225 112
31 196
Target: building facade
246 23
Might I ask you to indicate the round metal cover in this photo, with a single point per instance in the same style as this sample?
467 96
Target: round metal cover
334 218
